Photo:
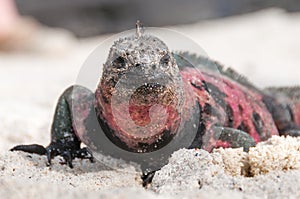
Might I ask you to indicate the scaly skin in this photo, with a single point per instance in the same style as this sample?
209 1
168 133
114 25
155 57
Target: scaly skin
231 105
233 112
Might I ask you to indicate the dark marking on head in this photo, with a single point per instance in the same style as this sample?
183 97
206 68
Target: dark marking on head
165 60
119 62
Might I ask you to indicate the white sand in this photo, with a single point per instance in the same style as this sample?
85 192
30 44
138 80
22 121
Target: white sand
225 170
264 46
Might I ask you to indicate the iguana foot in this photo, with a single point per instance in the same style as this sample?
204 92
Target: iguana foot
69 153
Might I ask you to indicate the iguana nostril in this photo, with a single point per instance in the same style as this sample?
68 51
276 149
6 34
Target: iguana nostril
138 65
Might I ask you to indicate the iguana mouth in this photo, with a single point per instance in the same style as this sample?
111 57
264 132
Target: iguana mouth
148 101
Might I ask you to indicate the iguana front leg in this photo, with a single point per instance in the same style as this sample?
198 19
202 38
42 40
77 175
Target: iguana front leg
64 141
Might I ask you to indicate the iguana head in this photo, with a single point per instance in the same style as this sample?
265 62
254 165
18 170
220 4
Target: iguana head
144 55
139 92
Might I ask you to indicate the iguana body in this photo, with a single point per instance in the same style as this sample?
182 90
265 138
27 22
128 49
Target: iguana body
233 112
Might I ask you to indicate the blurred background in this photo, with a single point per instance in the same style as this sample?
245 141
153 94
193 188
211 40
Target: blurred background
94 17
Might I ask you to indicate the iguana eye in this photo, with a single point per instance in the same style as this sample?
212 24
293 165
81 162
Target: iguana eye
119 63
164 61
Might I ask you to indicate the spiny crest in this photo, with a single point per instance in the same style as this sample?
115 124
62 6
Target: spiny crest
208 64
139 29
